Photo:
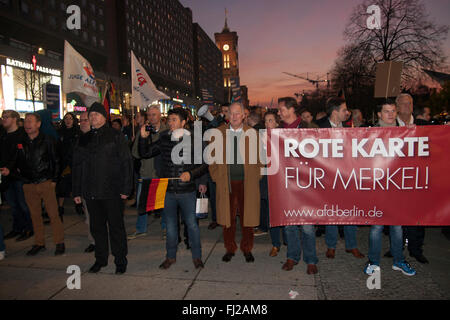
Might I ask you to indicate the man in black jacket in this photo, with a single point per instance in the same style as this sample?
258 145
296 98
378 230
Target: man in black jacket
287 107
180 193
422 116
103 176
10 140
337 113
419 116
38 166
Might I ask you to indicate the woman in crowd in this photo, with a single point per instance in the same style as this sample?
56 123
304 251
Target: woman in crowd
68 135
271 121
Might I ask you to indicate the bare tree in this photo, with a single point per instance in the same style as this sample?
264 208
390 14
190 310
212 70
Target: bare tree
407 34
352 69
32 82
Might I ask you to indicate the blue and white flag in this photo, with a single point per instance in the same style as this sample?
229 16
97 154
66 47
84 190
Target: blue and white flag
78 76
144 91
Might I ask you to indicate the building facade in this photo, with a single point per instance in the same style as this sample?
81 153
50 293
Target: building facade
207 68
159 32
227 42
32 35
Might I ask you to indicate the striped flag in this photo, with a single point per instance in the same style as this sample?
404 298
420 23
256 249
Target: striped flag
107 102
112 88
207 97
152 196
235 89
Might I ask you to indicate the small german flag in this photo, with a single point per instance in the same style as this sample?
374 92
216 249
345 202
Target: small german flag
152 196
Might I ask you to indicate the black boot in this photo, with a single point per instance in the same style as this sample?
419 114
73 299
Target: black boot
79 209
60 249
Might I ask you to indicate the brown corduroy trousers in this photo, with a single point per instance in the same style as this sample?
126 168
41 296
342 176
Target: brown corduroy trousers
34 194
229 234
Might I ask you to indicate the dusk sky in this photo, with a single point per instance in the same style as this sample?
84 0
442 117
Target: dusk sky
287 35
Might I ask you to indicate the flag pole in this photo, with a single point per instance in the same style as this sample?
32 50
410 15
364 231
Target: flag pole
132 121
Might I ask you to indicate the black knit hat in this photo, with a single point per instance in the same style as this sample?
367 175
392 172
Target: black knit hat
98 107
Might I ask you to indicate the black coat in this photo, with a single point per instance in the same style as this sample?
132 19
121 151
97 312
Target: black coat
164 146
325 123
9 148
102 165
66 142
421 122
38 161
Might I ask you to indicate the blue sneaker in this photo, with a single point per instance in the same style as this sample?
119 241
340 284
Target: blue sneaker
371 268
404 267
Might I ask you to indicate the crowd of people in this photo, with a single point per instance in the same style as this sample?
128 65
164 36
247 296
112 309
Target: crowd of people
98 164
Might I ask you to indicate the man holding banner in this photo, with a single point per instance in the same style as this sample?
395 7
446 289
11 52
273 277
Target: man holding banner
181 171
415 234
286 109
387 114
337 113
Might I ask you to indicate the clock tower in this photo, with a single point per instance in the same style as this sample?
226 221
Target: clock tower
227 42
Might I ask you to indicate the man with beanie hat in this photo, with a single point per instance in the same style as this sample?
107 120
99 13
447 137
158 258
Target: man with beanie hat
103 176
99 108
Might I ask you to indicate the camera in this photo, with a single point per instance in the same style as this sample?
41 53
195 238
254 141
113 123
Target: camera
150 128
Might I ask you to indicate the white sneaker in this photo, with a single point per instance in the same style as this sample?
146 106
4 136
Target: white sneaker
371 269
2 255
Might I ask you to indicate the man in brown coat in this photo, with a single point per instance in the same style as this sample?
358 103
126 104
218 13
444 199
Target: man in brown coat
237 181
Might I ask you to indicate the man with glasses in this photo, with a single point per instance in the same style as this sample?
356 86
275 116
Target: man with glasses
148 167
10 144
85 127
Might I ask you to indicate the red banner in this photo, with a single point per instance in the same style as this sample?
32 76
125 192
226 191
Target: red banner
362 176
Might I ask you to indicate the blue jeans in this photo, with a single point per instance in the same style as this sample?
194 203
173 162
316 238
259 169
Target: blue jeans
21 214
331 236
275 236
187 203
2 243
307 242
375 239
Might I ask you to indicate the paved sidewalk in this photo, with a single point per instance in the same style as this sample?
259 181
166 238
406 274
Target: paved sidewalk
44 276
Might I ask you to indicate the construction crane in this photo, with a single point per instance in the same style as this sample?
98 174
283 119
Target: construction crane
314 82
